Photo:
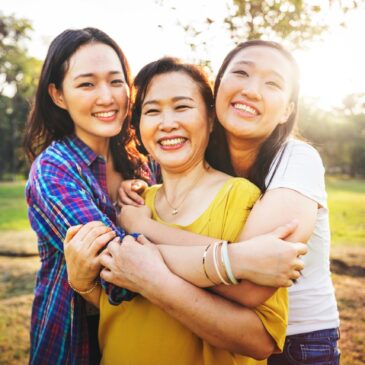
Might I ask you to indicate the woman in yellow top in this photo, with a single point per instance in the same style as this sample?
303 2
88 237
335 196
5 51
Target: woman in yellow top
173 320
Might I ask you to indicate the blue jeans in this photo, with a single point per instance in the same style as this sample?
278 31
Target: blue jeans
315 348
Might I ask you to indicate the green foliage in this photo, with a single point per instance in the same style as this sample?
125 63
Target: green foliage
338 135
295 21
18 78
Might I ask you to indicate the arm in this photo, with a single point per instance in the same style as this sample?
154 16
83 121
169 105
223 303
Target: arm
275 208
216 320
63 199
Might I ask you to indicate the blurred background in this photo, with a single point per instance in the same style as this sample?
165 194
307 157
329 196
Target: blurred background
326 37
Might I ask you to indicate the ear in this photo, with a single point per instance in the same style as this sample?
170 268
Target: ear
56 96
289 109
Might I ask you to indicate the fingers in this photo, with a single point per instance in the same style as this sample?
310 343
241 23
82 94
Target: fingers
106 260
95 233
139 186
101 242
301 248
86 228
106 275
124 199
129 192
286 230
143 240
71 232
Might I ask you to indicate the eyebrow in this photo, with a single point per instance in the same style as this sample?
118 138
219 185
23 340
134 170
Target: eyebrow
90 74
250 63
175 98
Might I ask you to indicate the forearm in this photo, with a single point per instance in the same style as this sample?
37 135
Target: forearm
165 235
94 297
219 322
187 263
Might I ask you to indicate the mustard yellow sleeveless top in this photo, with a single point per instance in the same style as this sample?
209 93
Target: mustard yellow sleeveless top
140 333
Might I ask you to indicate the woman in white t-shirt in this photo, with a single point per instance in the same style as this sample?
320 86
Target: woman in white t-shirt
256 106
252 140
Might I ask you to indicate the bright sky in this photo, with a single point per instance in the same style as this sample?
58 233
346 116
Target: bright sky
330 70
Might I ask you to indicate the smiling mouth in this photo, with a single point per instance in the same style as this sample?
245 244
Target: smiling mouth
246 108
172 142
105 115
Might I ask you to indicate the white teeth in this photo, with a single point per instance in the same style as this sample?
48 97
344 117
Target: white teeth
172 142
104 114
246 108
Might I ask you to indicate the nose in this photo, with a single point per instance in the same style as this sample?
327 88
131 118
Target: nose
105 95
251 90
168 121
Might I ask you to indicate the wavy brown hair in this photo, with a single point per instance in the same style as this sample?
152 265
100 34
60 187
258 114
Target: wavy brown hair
218 152
47 122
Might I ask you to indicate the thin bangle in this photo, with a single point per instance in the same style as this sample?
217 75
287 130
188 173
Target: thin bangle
215 261
227 263
204 262
88 291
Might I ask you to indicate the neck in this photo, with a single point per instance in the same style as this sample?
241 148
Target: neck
176 185
100 145
243 154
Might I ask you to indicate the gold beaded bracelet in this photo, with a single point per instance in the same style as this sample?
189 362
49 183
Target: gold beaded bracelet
88 291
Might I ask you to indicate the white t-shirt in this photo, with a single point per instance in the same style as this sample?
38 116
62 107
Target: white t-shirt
312 302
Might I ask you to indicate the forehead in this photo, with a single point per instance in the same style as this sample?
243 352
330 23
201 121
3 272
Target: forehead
94 58
176 83
264 58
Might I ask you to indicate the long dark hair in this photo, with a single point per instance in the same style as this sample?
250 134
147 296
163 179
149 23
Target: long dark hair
163 66
47 122
218 152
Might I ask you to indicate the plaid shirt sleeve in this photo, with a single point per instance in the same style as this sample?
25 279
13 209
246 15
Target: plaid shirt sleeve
65 200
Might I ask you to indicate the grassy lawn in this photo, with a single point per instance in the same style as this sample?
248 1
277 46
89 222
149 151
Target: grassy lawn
346 200
347 208
13 208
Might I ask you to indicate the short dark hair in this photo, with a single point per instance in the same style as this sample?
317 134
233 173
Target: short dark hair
218 152
167 65
47 122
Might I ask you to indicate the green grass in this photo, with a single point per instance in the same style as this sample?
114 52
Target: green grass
13 207
346 201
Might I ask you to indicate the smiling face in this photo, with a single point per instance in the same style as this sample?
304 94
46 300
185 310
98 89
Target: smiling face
254 93
94 92
174 124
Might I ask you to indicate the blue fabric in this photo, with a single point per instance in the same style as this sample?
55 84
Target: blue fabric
314 348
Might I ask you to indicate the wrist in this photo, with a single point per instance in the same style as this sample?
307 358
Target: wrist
239 256
83 288
155 291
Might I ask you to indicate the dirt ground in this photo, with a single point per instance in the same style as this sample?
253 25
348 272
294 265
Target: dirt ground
18 266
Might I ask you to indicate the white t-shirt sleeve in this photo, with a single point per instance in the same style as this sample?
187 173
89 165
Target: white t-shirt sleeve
300 168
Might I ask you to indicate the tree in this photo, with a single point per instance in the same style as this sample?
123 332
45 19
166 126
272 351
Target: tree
292 22
18 77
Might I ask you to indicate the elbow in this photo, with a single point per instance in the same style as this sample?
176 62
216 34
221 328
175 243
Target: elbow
259 351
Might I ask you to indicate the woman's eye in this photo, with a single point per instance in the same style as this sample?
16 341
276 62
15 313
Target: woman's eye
241 73
118 82
86 84
274 84
151 111
182 107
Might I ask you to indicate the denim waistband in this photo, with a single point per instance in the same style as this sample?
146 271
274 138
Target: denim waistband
331 332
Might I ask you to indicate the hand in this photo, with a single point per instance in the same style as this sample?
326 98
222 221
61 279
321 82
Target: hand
131 217
129 192
268 259
81 248
136 265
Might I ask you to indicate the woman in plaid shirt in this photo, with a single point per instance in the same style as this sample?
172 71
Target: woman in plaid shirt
80 142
